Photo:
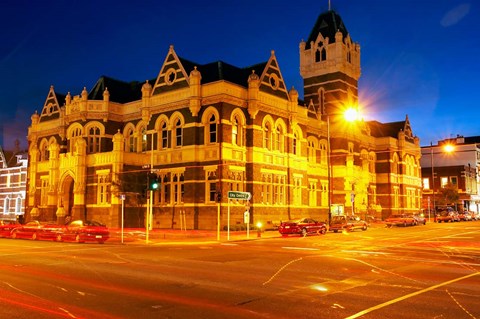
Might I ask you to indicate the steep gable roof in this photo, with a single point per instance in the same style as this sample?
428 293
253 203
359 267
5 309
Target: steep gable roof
328 23
172 75
271 80
51 107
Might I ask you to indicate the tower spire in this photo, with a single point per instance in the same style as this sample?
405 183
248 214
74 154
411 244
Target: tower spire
329 5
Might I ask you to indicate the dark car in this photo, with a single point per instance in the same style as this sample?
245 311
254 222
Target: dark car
82 231
36 230
347 223
302 226
400 220
6 227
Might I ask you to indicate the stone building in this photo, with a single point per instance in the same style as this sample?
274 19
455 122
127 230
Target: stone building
205 130
13 181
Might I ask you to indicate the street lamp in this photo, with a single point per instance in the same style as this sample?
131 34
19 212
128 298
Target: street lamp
329 171
448 148
350 115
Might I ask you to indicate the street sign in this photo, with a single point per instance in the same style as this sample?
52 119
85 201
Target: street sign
239 195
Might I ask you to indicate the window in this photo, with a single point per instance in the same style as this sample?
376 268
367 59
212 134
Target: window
44 153
93 140
312 158
178 187
165 190
6 205
396 197
312 193
267 136
320 53
212 129
211 186
18 205
131 142
74 136
453 180
266 188
102 189
426 183
238 132
178 138
279 139
443 181
143 131
164 134
297 191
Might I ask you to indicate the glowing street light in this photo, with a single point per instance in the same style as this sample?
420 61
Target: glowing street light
351 114
447 148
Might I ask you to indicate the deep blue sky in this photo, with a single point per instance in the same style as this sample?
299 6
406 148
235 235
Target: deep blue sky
419 58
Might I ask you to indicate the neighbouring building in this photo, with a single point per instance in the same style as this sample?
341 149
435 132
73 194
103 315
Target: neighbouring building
457 166
205 130
13 184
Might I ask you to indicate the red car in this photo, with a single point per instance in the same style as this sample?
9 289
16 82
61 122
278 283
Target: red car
6 227
303 226
400 220
36 230
81 231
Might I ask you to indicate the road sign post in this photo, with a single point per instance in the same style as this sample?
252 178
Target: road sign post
238 196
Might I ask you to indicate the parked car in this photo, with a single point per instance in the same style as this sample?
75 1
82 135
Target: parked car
420 218
6 227
302 226
81 231
347 223
465 216
475 216
447 216
36 230
400 220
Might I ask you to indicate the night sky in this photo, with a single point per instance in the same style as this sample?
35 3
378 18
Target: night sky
419 58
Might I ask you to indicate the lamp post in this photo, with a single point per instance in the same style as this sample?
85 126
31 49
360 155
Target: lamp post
433 181
329 172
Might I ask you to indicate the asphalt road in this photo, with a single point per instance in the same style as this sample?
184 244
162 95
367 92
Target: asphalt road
430 271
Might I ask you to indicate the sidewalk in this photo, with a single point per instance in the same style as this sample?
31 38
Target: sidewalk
138 236
171 236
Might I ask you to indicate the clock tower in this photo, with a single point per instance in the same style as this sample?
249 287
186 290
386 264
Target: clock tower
330 66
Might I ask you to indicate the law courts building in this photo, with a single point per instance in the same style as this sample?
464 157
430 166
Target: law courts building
205 130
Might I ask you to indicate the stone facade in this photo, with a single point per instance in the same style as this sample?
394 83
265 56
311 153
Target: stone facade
205 130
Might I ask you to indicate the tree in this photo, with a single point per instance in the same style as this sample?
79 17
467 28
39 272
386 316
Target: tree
134 185
448 194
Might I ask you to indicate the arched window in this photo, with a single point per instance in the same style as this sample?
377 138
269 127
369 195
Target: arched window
143 131
164 134
178 136
93 140
267 136
320 53
278 138
75 134
212 129
238 129
130 145
44 153
295 144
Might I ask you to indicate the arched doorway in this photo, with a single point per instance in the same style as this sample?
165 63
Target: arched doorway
67 198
